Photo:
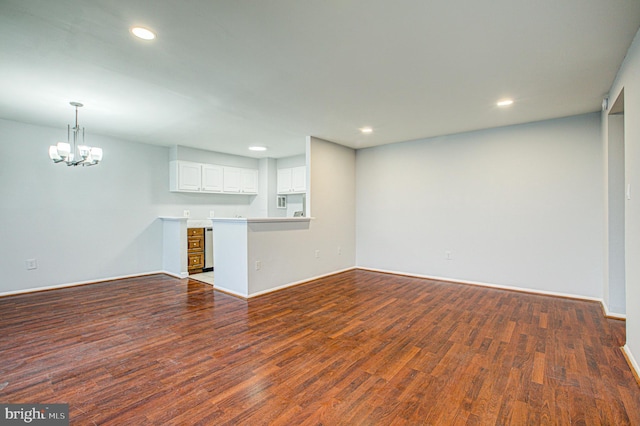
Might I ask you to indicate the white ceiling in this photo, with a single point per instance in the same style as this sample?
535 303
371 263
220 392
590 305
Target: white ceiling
223 75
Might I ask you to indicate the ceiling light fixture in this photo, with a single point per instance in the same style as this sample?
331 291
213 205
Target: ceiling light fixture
504 102
366 130
257 148
143 33
65 152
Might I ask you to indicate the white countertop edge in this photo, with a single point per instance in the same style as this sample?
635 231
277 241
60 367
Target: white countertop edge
262 219
242 219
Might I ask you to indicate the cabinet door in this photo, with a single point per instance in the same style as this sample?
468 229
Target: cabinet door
284 181
212 178
299 179
249 181
188 176
232 179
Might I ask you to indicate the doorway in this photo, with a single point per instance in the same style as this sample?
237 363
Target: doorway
615 292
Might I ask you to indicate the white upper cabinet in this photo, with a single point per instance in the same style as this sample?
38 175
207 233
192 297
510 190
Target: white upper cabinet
212 178
284 181
232 179
299 179
249 184
292 180
185 176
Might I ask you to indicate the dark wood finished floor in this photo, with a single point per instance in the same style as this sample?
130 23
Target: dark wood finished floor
356 348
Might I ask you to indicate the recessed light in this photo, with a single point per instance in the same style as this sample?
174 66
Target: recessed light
504 102
143 33
366 130
257 148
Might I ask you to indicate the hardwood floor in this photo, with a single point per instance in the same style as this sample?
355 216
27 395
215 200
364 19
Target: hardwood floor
356 348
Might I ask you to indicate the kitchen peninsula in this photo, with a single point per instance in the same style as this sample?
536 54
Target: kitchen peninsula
244 250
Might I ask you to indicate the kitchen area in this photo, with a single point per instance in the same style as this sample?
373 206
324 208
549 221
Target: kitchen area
224 197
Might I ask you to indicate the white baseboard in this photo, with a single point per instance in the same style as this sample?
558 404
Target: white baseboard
610 314
306 280
77 283
483 284
180 275
231 292
631 359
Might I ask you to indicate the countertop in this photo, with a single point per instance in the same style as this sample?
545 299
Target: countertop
204 223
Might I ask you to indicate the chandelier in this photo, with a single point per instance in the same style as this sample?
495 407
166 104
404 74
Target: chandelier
71 153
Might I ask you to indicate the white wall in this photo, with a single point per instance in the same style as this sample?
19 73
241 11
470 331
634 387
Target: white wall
628 78
79 223
230 257
84 224
265 203
517 206
287 253
185 153
295 161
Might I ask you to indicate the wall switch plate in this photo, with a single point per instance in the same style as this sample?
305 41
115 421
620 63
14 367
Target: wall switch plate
339 250
258 265
317 254
211 213
186 213
447 255
31 264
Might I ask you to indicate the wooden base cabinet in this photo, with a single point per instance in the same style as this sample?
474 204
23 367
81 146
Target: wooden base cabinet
195 250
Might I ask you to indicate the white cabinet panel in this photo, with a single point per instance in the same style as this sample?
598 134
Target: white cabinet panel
249 181
299 179
292 180
232 179
284 181
212 178
186 176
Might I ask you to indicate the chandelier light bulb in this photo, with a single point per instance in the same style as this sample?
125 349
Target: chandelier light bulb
53 153
96 154
63 149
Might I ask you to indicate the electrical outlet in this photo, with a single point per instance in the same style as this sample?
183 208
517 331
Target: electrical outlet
447 255
211 213
31 264
258 265
317 254
186 213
